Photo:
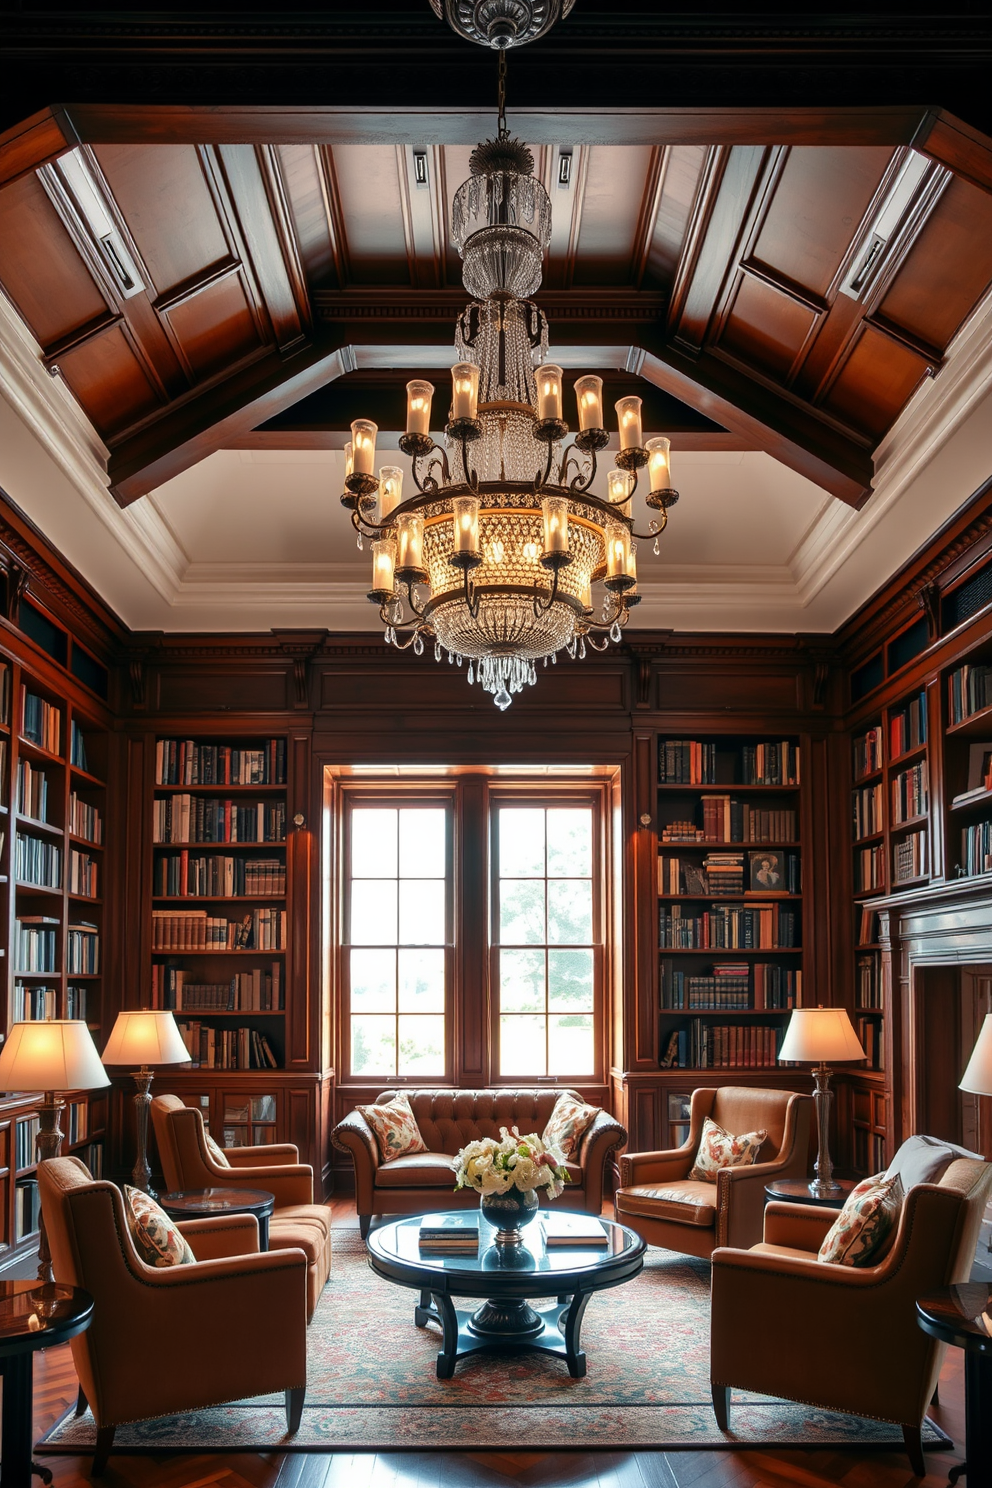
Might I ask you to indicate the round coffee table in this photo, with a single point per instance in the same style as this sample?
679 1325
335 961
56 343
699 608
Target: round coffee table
207 1203
505 1278
31 1317
796 1191
962 1315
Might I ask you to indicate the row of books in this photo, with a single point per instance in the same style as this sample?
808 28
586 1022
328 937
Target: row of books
869 869
82 874
37 862
870 1034
260 990
178 875
909 857
868 989
85 820
867 803
868 927
704 1045
723 873
77 747
771 764
92 1156
258 930
41 721
5 677
727 820
184 762
27 1208
559 1230
970 690
868 752
38 1004
78 1121
32 791
185 818
759 927
909 793
34 943
82 950
25 1135
976 848
75 1002
686 762
227 1048
908 727
694 762
731 987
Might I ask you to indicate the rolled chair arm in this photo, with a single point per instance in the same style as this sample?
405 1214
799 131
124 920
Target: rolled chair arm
354 1135
656 1167
798 1226
741 1202
221 1235
274 1155
287 1185
603 1137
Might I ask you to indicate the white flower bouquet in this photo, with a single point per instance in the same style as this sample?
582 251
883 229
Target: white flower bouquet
494 1167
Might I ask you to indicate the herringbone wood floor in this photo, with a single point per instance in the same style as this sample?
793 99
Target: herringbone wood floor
55 1391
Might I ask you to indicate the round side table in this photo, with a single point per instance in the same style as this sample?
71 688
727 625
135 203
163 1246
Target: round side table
962 1316
208 1203
796 1191
31 1317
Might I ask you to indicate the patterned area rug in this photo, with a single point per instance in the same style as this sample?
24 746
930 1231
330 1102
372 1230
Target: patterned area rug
372 1383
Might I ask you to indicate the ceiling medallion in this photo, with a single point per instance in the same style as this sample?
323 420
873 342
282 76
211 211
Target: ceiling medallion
495 556
501 23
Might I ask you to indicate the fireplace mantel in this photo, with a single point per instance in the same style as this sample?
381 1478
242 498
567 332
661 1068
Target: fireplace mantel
939 924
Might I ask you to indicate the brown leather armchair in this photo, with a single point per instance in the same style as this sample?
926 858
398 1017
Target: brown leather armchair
180 1337
297 1223
658 1200
448 1119
844 1338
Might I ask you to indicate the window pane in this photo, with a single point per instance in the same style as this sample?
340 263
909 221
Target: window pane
421 1046
570 987
373 911
423 834
569 842
373 981
421 981
421 911
373 1046
373 842
521 1045
521 911
521 981
521 842
570 1045
570 911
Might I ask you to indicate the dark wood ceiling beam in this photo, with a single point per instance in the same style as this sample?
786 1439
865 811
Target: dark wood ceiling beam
33 143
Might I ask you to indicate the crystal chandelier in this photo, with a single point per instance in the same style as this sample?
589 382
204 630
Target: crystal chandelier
495 556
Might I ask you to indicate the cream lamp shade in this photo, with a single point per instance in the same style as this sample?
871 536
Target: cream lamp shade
977 1078
58 1054
145 1037
821 1036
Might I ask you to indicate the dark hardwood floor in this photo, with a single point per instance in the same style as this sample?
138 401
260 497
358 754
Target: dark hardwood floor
55 1391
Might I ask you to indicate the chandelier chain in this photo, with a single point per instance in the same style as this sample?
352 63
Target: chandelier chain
501 113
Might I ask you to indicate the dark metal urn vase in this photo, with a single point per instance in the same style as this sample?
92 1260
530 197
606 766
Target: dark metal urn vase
508 1212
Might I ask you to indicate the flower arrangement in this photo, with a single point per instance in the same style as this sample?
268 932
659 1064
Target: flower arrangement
494 1167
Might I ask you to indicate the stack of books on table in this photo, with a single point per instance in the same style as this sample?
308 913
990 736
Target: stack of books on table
572 1231
457 1232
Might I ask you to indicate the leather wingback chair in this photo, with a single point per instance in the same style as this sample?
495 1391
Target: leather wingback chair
845 1338
176 1338
297 1223
448 1119
658 1200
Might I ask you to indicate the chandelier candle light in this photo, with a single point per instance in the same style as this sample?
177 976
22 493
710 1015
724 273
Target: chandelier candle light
494 555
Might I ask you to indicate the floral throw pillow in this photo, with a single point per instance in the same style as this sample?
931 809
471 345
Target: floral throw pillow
217 1153
155 1237
858 1235
721 1149
567 1125
395 1128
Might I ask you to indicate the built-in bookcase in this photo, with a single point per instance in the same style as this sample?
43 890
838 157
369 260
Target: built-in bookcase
730 894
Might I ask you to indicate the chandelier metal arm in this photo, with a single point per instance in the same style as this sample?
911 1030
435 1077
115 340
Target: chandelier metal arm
620 614
403 645
580 481
473 601
540 608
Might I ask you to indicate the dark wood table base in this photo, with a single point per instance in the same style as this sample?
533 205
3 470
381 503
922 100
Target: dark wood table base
505 1325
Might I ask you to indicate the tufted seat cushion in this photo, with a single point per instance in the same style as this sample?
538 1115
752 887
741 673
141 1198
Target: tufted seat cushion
689 1201
305 1227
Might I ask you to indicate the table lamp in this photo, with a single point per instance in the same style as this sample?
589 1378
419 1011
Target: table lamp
977 1078
55 1055
142 1038
822 1036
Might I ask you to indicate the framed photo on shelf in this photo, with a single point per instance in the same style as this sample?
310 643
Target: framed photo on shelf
766 872
979 766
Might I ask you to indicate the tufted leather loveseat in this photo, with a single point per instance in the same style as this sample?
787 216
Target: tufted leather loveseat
448 1119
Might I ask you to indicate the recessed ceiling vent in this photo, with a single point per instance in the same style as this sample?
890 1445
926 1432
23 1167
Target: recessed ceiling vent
95 213
868 260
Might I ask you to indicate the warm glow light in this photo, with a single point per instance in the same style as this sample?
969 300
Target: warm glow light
977 1078
530 551
585 595
383 564
659 463
589 398
349 459
821 1036
554 510
619 484
496 552
465 521
617 552
464 390
410 542
390 490
57 1054
418 407
629 420
145 1036
548 380
363 432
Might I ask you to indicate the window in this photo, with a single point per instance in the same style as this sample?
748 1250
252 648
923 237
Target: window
398 909
471 941
545 931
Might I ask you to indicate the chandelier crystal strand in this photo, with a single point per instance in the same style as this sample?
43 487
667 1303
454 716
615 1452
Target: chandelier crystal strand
494 554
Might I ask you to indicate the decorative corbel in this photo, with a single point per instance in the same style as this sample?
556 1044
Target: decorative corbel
17 579
928 599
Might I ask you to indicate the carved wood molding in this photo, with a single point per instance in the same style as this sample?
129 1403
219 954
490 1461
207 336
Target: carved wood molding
32 568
